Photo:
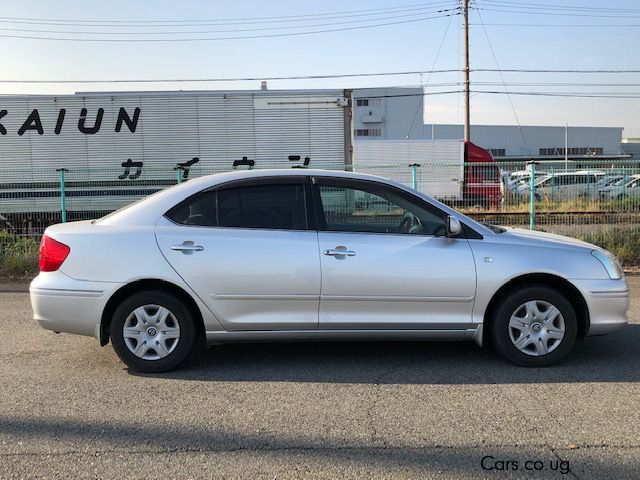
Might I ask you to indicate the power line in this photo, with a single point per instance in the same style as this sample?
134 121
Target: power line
305 23
558 14
327 76
530 70
608 95
515 114
288 34
347 22
558 7
565 94
561 25
236 79
435 60
268 19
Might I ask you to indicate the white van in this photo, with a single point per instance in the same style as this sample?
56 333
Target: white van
566 186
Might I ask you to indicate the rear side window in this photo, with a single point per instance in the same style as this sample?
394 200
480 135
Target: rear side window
265 206
269 206
198 210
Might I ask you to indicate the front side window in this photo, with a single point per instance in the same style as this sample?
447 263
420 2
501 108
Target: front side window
269 206
375 210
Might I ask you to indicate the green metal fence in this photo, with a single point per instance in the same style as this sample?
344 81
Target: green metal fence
580 199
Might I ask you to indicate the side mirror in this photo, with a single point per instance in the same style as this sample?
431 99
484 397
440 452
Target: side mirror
453 225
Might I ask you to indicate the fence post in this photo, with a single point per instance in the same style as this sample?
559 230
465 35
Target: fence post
553 186
178 174
414 175
63 200
532 196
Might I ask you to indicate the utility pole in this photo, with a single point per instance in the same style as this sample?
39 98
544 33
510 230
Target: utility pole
467 114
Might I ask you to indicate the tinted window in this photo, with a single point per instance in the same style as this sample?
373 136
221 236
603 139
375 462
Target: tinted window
376 210
277 206
197 210
280 206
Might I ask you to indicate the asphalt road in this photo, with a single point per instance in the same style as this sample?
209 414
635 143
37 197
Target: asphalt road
70 409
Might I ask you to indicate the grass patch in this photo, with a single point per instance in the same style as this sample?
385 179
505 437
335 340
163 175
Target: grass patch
566 206
18 256
623 243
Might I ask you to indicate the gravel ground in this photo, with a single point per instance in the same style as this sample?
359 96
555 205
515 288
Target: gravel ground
70 409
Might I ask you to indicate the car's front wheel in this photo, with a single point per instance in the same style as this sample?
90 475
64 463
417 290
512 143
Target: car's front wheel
152 331
534 327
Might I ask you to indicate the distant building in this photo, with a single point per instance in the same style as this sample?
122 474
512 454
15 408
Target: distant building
397 113
390 113
631 146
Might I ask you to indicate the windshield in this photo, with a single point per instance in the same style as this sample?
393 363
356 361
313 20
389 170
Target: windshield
544 181
622 181
609 181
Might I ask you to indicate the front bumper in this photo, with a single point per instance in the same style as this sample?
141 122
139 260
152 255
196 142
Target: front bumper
608 302
63 304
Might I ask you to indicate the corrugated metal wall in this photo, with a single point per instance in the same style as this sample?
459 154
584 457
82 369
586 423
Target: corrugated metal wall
218 127
440 172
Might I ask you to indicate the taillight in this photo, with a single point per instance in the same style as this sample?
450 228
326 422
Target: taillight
52 254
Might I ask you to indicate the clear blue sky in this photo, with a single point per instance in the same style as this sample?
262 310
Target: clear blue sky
400 47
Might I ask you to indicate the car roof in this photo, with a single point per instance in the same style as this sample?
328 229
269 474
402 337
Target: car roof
149 209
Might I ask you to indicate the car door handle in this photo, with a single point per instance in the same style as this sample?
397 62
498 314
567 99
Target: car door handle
187 247
338 252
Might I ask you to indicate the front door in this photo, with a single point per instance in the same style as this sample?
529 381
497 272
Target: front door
387 262
249 253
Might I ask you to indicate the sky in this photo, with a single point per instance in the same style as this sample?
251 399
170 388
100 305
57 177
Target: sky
418 36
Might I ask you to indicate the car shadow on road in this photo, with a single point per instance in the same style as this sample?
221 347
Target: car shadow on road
611 358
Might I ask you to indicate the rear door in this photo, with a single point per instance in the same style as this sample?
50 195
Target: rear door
387 262
250 252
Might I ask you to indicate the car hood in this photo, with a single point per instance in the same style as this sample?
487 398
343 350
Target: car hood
533 237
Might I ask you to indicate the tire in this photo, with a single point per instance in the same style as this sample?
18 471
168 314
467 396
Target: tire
160 331
528 308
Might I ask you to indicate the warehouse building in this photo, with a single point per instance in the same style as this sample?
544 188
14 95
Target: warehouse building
397 113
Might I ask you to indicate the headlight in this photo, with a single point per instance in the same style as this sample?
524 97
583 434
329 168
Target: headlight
609 262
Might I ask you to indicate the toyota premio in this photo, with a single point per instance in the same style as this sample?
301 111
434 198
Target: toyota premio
309 255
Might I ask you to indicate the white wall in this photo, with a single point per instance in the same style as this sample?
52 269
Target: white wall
400 112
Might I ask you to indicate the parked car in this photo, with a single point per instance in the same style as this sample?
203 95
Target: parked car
565 186
272 255
628 186
521 177
610 179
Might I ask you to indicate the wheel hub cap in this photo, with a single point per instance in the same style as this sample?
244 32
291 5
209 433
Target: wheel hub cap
536 328
151 332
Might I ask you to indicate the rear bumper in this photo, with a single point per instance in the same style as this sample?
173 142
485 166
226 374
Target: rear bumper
608 302
63 304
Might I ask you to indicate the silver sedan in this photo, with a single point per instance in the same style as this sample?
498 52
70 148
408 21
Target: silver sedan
306 255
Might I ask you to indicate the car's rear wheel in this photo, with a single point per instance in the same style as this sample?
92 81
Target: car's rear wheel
534 327
152 331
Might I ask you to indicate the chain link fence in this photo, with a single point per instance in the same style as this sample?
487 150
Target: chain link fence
593 200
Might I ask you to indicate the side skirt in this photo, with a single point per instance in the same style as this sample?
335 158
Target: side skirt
342 335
